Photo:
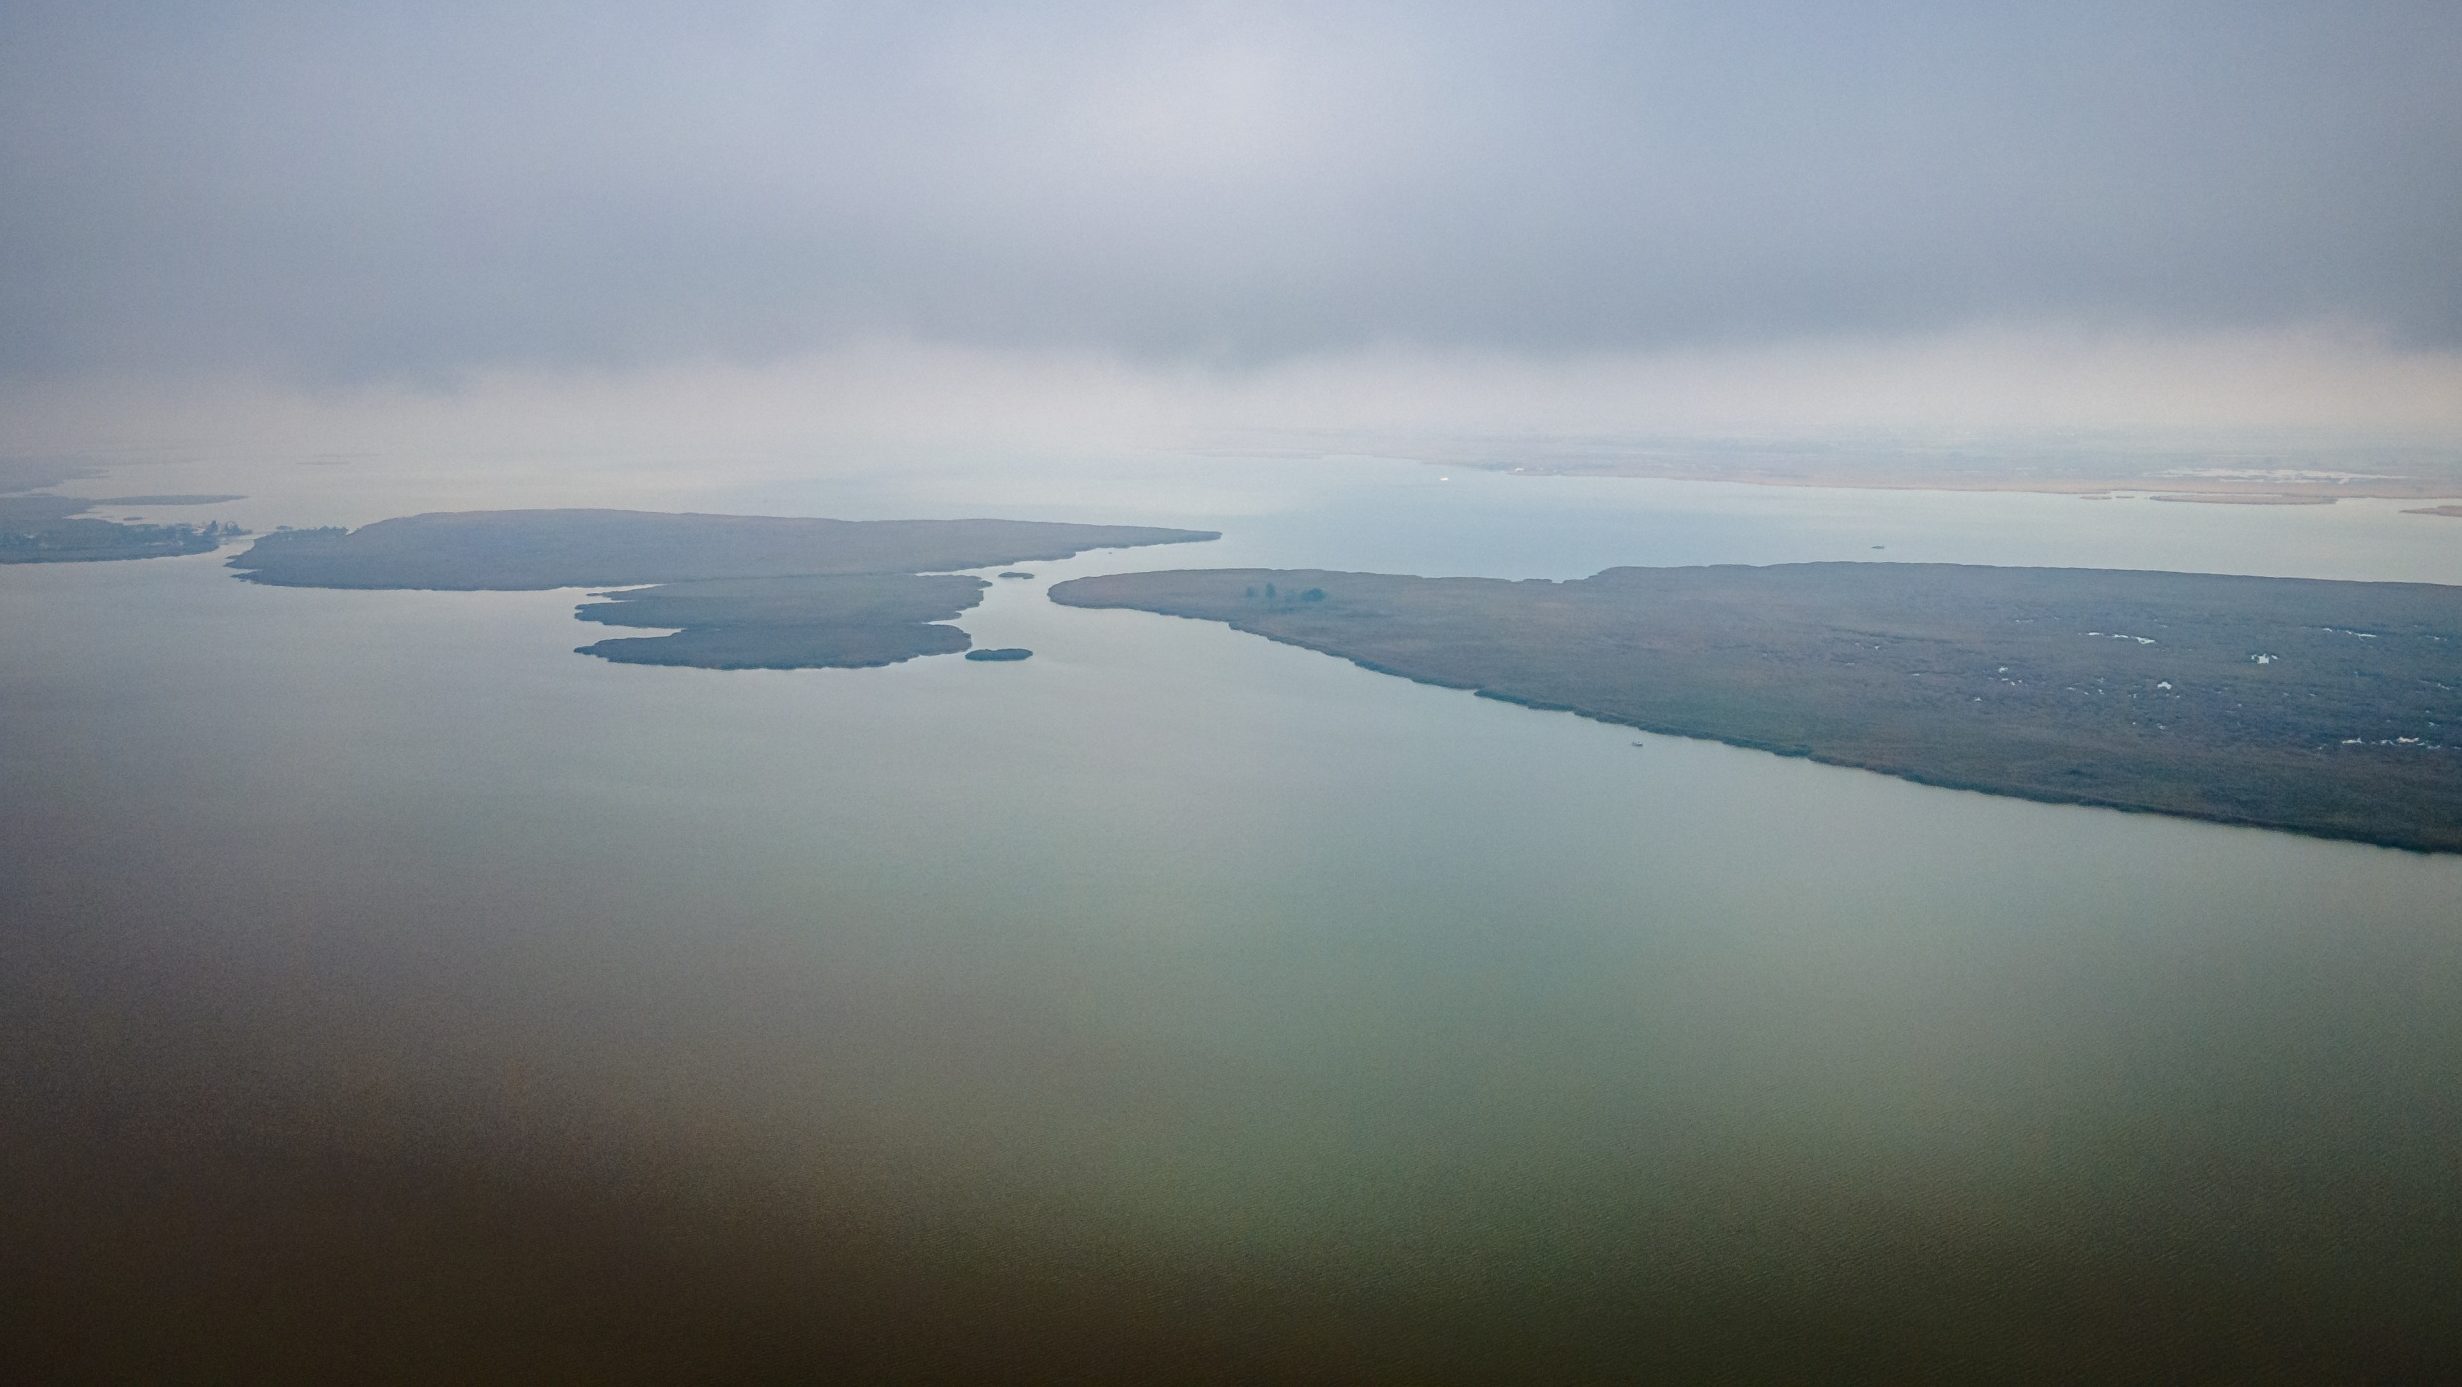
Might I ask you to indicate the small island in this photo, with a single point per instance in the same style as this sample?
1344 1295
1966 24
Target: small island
1016 573
2326 708
1003 654
822 621
730 592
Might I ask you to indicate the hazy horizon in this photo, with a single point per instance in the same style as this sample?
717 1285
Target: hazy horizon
1579 217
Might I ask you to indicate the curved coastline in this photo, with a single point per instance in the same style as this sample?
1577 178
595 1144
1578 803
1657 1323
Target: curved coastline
730 592
2431 835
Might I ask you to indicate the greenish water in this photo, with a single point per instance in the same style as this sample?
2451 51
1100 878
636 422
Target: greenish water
1572 1048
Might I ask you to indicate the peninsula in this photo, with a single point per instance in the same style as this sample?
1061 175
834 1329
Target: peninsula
732 591
2326 708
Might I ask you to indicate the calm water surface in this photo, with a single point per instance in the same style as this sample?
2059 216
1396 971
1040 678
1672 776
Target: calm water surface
1571 1048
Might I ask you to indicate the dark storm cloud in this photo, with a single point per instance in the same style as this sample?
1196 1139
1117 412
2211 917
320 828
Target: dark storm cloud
342 191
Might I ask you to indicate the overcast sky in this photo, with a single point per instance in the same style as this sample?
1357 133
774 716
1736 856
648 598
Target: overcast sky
367 191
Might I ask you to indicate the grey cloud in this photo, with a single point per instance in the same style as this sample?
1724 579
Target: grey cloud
419 190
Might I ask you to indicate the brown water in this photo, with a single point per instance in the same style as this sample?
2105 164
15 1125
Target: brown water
389 991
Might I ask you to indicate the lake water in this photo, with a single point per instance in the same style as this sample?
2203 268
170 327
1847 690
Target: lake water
1530 1046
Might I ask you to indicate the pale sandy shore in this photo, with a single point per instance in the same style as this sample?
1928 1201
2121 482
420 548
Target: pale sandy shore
2234 498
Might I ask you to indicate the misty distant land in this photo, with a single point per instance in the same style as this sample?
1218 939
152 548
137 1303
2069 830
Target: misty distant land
2217 486
32 474
2326 708
2214 475
733 591
173 499
55 529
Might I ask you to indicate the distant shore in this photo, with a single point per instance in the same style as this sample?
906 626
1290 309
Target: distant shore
2261 487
